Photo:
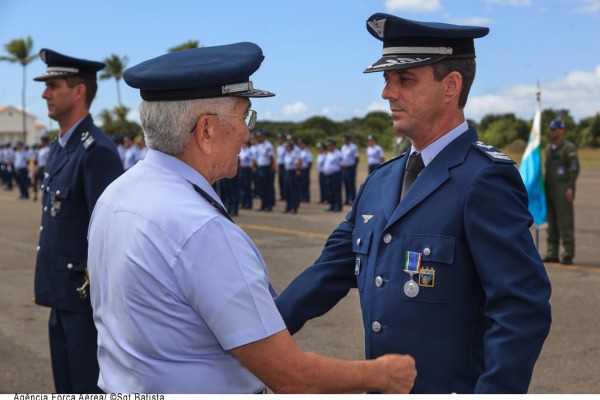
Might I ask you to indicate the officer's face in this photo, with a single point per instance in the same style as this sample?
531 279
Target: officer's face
60 98
416 100
233 133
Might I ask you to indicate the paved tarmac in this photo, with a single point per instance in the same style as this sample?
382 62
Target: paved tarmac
570 360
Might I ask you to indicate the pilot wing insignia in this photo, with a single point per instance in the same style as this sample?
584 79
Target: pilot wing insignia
367 218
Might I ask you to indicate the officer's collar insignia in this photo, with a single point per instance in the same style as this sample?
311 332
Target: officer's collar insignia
367 218
378 26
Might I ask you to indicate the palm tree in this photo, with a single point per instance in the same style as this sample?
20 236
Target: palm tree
190 44
115 66
19 50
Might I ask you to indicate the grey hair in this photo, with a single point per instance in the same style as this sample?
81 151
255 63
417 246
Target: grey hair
167 125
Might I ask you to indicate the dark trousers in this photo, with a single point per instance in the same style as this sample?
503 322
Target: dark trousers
73 350
266 179
305 185
281 181
245 174
334 183
349 176
23 181
292 189
323 188
230 194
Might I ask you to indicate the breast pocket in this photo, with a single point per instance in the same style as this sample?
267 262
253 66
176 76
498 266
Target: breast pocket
361 243
59 195
435 276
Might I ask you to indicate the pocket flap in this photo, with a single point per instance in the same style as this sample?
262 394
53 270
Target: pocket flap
434 248
361 240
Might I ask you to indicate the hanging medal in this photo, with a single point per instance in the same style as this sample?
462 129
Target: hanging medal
412 265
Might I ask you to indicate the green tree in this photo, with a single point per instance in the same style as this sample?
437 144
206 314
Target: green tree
115 66
115 123
190 44
19 51
589 132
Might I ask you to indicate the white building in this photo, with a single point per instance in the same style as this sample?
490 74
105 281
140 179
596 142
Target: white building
11 126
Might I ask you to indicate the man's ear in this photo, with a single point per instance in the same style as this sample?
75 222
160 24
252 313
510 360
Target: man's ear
204 133
453 86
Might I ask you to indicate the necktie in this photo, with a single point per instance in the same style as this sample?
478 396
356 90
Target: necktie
414 166
212 201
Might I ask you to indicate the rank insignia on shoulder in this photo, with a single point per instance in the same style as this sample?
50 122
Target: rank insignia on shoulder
427 277
367 218
87 139
493 153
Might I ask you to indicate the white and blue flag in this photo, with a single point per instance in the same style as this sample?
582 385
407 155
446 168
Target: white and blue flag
531 170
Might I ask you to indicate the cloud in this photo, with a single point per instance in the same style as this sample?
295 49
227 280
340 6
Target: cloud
578 92
292 110
589 6
413 5
510 2
334 111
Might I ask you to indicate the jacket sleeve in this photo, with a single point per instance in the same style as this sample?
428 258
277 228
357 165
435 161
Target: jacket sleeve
320 287
513 277
102 166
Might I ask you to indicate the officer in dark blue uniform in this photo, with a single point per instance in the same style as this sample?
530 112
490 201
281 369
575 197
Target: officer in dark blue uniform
83 161
437 242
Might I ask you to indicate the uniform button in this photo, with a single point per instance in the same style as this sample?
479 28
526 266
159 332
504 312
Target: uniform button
45 208
58 192
38 248
358 242
41 228
70 266
379 281
376 326
426 251
387 238
47 188
43 187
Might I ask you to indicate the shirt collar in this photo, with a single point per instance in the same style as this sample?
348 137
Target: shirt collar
434 148
182 169
64 139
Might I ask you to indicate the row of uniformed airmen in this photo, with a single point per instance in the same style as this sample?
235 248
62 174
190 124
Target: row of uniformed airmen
292 160
24 165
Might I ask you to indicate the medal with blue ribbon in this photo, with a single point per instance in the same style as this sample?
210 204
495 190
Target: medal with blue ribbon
412 265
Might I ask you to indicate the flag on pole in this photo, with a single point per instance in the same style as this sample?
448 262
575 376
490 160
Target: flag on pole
531 169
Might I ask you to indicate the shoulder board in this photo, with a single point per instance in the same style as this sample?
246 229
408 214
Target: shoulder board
493 153
391 160
87 139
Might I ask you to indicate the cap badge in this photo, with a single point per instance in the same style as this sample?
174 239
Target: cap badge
367 218
378 26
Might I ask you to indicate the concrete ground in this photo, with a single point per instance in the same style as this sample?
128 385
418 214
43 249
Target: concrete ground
569 363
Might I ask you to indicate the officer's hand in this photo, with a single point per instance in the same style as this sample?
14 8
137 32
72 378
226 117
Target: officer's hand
569 195
399 371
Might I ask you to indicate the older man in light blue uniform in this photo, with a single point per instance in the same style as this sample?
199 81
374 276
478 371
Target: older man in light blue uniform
181 296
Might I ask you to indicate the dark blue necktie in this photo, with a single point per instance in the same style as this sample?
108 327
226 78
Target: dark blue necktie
414 166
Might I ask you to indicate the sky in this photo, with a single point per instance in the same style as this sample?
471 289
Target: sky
316 50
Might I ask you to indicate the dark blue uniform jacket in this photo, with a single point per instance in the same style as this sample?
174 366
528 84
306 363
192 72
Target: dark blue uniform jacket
481 326
75 177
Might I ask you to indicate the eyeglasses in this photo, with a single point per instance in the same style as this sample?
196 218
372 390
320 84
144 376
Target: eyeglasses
250 118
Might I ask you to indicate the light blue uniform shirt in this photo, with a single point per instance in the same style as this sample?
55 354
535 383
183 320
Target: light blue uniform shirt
264 153
429 152
306 157
349 154
374 155
174 285
333 162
